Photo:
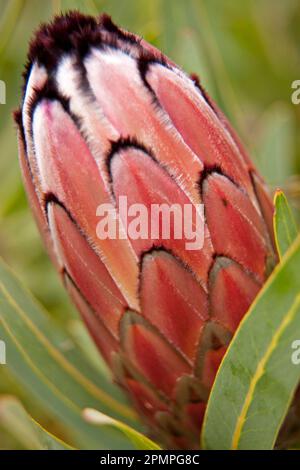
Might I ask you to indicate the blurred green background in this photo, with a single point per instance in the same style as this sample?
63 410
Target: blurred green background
247 56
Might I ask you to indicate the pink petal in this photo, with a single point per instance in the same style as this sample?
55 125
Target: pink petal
86 269
137 176
236 228
151 355
173 301
231 292
68 170
103 339
115 80
197 123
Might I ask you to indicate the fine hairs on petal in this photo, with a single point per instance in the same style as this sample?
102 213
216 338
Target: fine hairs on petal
73 32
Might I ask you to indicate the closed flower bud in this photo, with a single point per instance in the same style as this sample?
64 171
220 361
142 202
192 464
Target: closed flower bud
106 118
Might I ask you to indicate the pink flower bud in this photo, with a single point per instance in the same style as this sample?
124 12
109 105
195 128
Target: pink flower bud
106 116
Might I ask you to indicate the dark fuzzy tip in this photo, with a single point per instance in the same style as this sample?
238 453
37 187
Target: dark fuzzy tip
71 32
210 170
17 115
76 33
146 58
63 34
194 77
51 198
47 92
122 144
108 25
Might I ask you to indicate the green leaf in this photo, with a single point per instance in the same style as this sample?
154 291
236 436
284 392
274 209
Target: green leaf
47 362
274 144
257 378
87 347
140 441
17 422
285 228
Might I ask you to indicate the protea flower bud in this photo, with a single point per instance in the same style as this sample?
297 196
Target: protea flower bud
104 116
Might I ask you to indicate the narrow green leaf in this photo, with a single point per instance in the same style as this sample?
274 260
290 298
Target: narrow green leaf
274 144
18 423
140 441
257 378
46 361
88 348
8 22
285 228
